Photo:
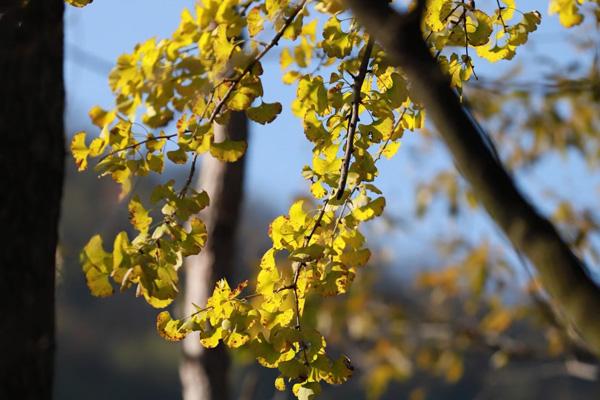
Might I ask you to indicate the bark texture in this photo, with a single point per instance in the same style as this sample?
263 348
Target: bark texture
204 372
562 274
31 171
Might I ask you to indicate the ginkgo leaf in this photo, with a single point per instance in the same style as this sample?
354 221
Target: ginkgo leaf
79 3
371 210
306 390
268 276
390 149
567 10
97 266
169 328
101 117
228 150
138 215
79 150
196 238
254 21
178 156
264 113
356 258
280 383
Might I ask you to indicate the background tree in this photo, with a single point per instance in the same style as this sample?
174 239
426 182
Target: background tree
31 120
204 372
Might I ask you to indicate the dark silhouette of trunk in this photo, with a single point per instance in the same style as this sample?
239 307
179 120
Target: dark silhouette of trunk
31 170
563 275
204 371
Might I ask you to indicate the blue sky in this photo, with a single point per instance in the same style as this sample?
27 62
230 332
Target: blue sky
277 152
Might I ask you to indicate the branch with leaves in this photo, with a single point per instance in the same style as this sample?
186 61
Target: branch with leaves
317 249
562 274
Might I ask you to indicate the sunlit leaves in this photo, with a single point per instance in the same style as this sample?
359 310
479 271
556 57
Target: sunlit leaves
209 68
337 43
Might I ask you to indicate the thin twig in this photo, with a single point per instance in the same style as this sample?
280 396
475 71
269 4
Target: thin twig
500 17
358 82
188 181
249 67
464 20
136 145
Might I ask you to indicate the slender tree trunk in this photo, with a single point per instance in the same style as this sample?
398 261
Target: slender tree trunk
204 372
31 171
563 275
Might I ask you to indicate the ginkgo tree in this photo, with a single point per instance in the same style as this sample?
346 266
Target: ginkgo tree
357 95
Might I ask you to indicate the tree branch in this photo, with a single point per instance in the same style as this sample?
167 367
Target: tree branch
357 86
561 273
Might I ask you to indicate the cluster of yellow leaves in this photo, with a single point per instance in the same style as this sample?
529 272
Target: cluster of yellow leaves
151 260
211 67
492 33
569 11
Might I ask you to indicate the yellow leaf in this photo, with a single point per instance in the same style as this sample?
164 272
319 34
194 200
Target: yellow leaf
79 150
228 150
79 3
390 149
178 156
318 190
371 210
101 117
285 58
254 21
265 113
306 390
169 328
310 30
138 215
356 258
280 383
97 266
268 276
567 10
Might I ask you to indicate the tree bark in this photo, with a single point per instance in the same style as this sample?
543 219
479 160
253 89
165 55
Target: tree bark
204 371
562 274
31 170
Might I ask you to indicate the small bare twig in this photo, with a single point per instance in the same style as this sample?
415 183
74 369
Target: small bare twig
353 122
500 17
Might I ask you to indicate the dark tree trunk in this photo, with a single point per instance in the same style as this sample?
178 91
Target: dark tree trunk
31 170
204 372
